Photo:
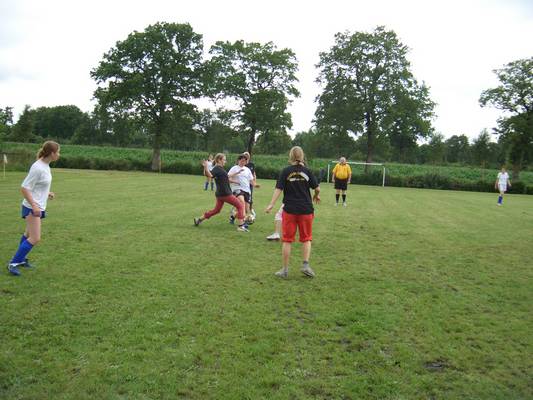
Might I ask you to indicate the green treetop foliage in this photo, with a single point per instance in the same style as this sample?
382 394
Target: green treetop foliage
515 96
369 90
59 122
23 129
6 121
260 78
151 76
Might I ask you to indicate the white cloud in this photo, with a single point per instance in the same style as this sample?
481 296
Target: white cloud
47 48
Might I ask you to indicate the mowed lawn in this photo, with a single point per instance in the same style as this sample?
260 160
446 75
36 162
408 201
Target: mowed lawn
419 294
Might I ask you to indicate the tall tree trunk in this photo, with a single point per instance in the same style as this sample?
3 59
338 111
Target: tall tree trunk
251 141
370 133
156 155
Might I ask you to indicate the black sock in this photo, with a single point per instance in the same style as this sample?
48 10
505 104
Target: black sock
344 198
337 198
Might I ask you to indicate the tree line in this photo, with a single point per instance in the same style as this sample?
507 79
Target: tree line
371 107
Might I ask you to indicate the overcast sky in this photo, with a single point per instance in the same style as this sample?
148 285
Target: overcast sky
48 47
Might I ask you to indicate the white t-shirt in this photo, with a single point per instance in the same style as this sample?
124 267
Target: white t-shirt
503 179
38 182
245 177
210 165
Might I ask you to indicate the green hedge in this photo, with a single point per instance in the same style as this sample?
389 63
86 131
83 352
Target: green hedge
133 160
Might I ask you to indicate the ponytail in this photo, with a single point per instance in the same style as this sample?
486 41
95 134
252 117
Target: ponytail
47 148
297 156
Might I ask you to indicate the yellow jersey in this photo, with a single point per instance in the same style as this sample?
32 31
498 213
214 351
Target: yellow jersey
342 171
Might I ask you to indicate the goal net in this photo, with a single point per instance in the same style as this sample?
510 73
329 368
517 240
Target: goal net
361 168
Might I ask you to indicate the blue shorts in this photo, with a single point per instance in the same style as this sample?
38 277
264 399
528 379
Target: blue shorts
27 211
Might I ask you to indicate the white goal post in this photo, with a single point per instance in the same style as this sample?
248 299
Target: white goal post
360 163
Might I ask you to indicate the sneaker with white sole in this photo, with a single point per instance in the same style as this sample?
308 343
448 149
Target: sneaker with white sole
282 273
197 221
13 269
243 228
307 271
274 236
344 204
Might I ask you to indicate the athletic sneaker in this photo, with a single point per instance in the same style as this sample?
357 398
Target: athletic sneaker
27 264
282 273
344 204
197 221
336 204
274 236
307 271
243 228
13 269
231 219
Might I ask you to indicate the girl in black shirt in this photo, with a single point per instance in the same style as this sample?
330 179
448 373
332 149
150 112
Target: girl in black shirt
295 181
223 193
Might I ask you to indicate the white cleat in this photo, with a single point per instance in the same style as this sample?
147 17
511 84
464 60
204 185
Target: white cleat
274 236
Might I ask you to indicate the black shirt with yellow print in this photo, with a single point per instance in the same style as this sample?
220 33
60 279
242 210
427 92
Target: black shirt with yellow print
295 181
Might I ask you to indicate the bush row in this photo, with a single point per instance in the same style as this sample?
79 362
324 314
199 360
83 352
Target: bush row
426 181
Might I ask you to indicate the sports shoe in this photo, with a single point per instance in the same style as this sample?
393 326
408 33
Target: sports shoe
274 236
13 269
336 204
197 221
27 264
282 273
231 219
344 204
307 271
243 228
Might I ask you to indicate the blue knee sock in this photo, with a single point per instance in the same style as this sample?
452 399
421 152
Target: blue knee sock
205 186
500 199
23 250
23 238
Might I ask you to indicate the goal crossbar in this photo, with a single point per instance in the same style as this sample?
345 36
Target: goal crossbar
359 163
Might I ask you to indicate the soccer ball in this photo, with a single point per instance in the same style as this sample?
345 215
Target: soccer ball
250 219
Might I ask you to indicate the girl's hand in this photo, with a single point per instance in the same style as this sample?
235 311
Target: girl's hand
35 210
316 198
268 208
51 195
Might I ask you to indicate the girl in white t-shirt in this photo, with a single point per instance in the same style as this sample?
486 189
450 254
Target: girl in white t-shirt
208 179
36 191
502 181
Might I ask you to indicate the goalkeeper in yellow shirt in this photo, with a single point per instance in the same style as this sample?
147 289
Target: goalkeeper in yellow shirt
342 175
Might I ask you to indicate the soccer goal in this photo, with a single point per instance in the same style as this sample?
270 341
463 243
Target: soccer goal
383 170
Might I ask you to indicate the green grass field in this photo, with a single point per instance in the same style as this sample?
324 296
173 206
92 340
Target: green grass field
419 294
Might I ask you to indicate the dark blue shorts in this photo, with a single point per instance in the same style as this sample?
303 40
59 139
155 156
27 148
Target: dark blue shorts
27 211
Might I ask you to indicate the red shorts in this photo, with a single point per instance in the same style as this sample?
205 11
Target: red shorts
289 223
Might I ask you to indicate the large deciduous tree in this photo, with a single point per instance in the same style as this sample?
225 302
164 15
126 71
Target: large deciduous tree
152 76
260 79
369 90
514 96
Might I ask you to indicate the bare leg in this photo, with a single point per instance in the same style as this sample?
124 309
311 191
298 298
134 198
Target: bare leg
306 250
286 254
33 229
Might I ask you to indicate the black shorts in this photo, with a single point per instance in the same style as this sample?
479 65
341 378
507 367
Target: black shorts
341 184
246 195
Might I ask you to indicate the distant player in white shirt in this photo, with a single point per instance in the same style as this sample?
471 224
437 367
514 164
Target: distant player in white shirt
36 191
502 181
